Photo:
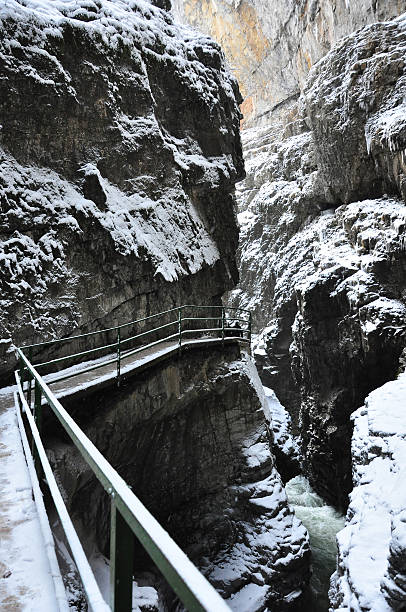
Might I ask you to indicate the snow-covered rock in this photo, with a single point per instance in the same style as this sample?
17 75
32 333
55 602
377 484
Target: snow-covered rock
119 150
193 439
285 445
271 46
323 270
371 571
322 250
326 283
355 97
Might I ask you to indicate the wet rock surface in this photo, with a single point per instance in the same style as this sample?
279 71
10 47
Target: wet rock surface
119 152
327 280
193 440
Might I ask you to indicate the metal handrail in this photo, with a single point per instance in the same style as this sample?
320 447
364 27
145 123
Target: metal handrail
149 331
128 516
106 346
48 538
109 329
90 585
243 334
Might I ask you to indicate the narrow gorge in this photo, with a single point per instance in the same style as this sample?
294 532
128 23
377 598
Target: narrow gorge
231 154
322 253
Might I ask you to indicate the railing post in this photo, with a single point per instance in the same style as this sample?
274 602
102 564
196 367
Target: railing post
38 422
22 372
180 328
121 562
250 331
118 358
37 405
222 324
29 378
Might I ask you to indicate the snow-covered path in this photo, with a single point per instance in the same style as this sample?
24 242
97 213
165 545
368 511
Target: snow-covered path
105 375
26 582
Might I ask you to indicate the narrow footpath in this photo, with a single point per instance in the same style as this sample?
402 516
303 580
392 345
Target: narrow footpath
26 581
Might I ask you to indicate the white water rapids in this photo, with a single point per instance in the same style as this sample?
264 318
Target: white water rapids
322 522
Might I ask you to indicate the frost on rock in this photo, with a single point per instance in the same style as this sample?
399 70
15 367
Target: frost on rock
371 572
285 445
322 250
118 180
271 46
363 108
275 532
231 518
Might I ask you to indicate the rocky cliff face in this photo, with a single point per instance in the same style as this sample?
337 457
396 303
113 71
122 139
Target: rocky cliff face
371 570
322 250
119 152
271 46
194 434
312 271
331 263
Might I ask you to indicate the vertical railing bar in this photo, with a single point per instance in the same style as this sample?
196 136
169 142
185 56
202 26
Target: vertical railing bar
38 405
222 324
180 328
38 422
29 378
121 562
118 357
250 332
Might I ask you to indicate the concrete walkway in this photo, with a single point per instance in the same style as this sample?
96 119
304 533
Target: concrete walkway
26 582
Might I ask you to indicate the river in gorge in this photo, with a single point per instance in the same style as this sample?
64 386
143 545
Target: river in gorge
322 522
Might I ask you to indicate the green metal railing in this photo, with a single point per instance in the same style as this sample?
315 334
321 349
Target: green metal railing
129 517
229 322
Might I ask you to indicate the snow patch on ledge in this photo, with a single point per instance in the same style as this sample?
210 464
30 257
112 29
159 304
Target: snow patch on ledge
281 426
173 237
371 572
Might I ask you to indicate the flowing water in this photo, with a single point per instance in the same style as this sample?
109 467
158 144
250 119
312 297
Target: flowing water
322 523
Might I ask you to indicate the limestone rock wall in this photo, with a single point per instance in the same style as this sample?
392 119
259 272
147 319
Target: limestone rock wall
322 255
271 46
193 439
119 150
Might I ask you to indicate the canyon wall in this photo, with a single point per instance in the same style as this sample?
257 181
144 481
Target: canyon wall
193 440
371 568
322 251
323 245
120 148
271 46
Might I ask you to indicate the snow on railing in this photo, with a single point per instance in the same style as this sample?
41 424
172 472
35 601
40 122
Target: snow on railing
229 322
129 516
